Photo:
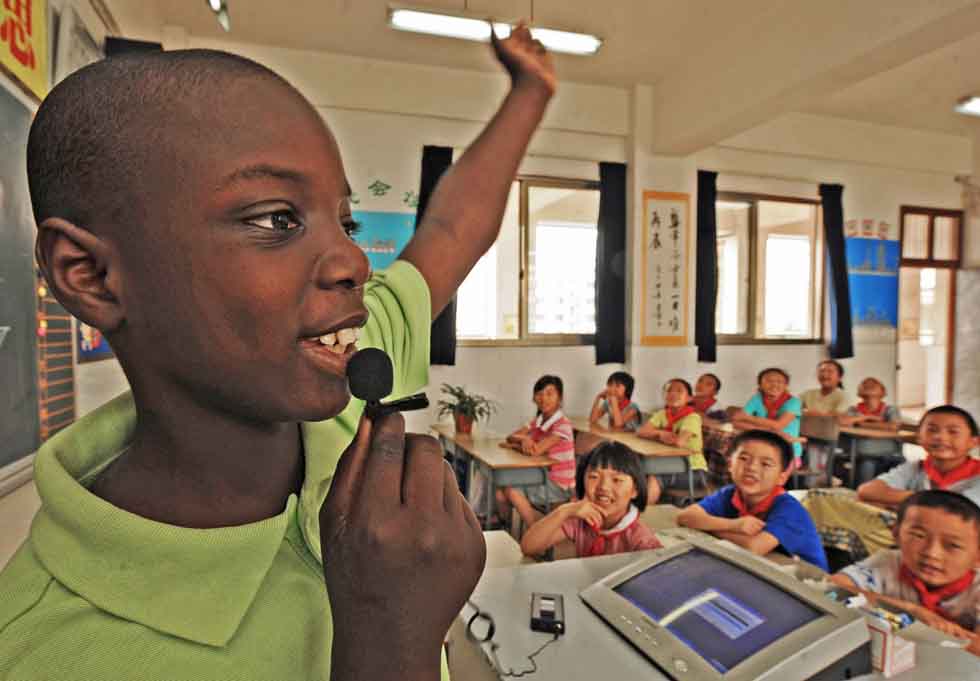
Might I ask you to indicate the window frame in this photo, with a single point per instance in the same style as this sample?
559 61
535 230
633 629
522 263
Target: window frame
525 338
818 263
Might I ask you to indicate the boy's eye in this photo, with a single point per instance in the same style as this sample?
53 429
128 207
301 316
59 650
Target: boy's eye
351 226
278 221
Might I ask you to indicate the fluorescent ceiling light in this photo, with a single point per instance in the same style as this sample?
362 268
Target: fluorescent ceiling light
969 106
467 28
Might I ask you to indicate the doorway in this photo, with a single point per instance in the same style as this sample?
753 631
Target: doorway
930 256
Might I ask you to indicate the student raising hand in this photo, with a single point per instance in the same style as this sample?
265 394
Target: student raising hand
525 59
402 551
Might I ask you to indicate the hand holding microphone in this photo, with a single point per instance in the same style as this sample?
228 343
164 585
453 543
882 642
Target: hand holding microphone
401 547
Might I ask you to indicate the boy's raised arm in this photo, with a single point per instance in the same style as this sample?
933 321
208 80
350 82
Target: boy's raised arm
463 215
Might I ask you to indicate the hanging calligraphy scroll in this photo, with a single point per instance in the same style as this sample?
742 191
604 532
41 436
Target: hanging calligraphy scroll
666 239
24 43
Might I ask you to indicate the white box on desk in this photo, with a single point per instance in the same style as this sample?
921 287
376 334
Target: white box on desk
890 653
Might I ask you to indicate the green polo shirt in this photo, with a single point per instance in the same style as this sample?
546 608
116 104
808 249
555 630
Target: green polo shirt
99 593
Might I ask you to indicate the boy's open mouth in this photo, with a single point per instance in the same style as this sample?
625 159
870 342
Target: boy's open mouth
332 349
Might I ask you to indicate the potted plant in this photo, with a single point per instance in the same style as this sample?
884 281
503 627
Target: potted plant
465 407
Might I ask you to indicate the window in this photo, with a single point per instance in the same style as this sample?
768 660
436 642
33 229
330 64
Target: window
770 267
536 285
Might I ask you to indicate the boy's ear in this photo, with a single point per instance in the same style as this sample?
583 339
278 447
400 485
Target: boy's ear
81 270
784 476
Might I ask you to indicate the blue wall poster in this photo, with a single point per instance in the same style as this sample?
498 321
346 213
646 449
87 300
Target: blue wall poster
872 268
383 235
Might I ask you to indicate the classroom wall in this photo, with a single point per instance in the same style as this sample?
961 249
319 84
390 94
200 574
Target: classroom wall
382 113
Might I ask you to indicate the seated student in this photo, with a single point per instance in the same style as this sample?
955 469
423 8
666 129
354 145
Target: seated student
934 574
706 395
615 403
947 433
756 512
874 456
193 206
612 492
677 424
829 399
773 408
548 434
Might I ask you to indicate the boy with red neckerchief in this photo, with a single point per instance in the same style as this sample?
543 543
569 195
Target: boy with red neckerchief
947 433
756 512
616 403
677 424
934 575
773 408
706 393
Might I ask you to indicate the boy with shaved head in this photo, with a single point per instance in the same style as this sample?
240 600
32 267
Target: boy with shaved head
194 208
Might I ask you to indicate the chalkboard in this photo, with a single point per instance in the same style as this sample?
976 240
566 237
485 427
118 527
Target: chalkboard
19 419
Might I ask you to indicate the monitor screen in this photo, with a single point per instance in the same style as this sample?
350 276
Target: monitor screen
723 613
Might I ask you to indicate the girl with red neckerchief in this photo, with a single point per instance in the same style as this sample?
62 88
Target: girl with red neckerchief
677 424
773 408
606 518
875 456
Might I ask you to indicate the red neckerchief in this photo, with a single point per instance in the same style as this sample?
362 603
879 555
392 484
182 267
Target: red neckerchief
598 546
759 510
773 406
863 409
622 405
931 598
940 480
704 405
675 416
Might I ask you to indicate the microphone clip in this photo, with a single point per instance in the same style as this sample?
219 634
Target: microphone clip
411 403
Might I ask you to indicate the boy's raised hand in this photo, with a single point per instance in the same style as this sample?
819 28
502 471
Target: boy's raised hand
526 59
401 550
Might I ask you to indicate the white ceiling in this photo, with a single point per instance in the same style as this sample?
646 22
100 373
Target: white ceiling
676 44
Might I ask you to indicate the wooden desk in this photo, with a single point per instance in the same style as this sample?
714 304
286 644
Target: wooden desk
856 432
504 467
657 457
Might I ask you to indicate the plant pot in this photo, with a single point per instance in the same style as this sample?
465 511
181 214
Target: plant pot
464 424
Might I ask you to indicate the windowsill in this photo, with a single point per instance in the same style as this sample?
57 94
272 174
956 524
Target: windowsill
542 342
747 340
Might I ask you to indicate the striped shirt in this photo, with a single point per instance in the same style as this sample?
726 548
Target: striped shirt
561 473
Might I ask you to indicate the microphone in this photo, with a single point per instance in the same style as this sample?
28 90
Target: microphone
371 377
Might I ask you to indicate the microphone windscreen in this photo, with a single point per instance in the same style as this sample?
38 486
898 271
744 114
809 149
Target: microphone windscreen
370 375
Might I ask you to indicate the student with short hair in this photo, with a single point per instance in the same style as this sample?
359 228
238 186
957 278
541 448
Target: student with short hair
677 424
706 394
615 402
193 206
549 434
934 574
605 519
773 408
756 512
829 399
874 455
947 433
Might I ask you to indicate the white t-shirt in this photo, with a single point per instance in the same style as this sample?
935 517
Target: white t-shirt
879 574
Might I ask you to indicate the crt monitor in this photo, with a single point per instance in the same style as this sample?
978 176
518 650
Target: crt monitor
703 610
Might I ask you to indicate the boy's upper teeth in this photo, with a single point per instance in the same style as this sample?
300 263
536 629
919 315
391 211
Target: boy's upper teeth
342 336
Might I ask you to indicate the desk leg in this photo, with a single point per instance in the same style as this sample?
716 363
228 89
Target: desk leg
853 462
491 498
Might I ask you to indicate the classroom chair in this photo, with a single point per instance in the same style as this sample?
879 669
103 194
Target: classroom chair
823 431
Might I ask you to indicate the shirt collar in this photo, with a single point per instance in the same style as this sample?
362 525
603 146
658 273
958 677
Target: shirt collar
191 583
550 422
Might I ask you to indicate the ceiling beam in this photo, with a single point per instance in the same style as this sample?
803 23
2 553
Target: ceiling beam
784 59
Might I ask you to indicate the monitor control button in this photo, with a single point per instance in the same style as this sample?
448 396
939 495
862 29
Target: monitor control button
680 665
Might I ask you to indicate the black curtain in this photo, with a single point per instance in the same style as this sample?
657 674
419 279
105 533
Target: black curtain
435 161
706 290
610 266
841 337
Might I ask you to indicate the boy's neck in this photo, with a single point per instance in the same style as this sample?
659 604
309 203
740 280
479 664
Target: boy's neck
826 390
754 499
545 415
872 402
946 465
221 472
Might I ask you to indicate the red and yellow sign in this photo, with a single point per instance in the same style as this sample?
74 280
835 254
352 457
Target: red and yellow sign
24 42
